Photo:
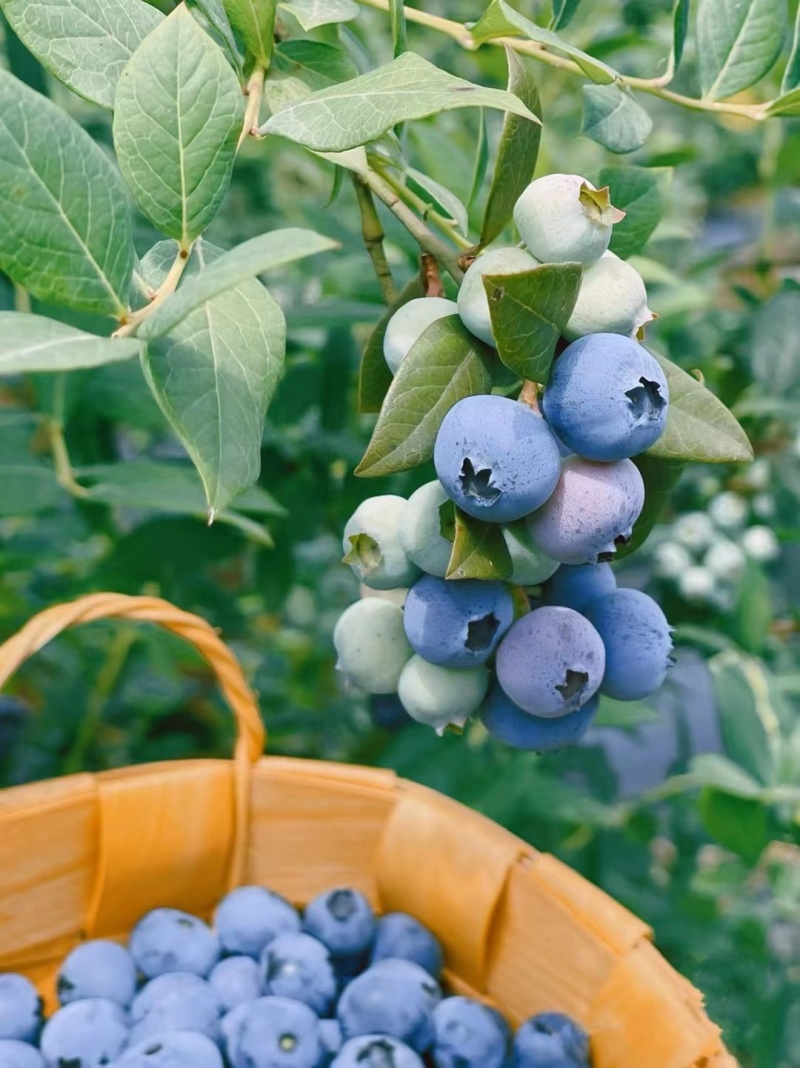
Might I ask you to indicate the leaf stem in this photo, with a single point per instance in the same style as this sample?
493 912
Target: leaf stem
166 289
22 299
254 91
428 213
653 86
65 475
372 233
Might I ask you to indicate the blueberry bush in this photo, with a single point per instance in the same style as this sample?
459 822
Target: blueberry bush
253 254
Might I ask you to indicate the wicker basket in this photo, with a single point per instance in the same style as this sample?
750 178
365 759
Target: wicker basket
86 855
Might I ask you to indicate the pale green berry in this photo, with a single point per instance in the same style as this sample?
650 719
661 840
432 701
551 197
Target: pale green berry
421 529
397 597
409 323
694 530
530 565
563 218
697 584
671 560
371 645
760 543
372 546
724 559
439 696
611 300
473 304
728 510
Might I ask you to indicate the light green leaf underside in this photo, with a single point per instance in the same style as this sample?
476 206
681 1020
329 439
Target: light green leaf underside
313 13
737 43
66 231
255 21
362 109
29 488
31 343
791 76
178 113
214 20
614 118
84 43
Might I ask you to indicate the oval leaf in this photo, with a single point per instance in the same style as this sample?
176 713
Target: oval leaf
313 13
613 118
218 25
639 192
788 104
362 109
791 76
563 12
375 377
775 343
479 550
31 343
67 234
446 364
255 21
680 27
737 43
178 113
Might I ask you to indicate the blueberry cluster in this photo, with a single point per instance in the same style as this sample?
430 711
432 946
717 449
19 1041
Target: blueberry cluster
269 987
561 486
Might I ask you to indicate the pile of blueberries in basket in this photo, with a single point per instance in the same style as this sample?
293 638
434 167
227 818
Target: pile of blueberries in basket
267 987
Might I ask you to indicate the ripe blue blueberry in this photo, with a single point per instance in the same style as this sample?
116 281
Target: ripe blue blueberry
496 458
299 966
371 645
387 712
638 643
421 529
575 585
168 940
85 1034
592 512
392 997
20 1008
175 1001
376 1051
473 303
403 937
236 980
439 696
16 1054
551 662
372 547
409 323
506 722
330 1033
457 624
342 919
563 218
550 1040
277 1032
468 1035
251 916
607 398
97 969
181 1049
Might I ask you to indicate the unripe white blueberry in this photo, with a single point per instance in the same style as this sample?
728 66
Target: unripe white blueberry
530 565
760 543
764 505
371 644
473 304
439 696
611 300
409 323
397 597
371 544
694 530
563 218
671 560
728 510
724 559
421 532
697 584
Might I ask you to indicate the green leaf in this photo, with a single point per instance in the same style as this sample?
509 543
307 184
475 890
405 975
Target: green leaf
29 488
231 269
529 312
479 550
625 714
788 104
501 20
791 76
699 426
738 823
66 231
614 118
680 28
213 11
639 192
481 164
362 109
255 21
31 343
375 377
178 114
397 17
749 724
84 43
517 152
775 343
438 196
563 12
444 365
720 772
660 478
754 610
737 43
313 13
331 63
215 373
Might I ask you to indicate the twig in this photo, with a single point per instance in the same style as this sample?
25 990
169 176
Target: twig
254 91
448 226
65 476
372 232
166 289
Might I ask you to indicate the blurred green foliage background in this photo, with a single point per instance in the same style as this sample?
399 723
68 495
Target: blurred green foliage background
686 811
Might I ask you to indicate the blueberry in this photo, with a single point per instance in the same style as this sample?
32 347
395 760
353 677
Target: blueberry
20 1008
438 696
299 966
592 512
175 1001
376 1051
371 645
392 997
607 398
468 1035
403 937
457 624
562 218
387 712
611 300
421 529
551 662
506 722
496 458
85 1034
575 585
529 563
181 1049
168 940
251 916
473 303
277 1032
372 546
236 980
409 323
342 919
638 643
330 1033
97 969
550 1040
230 1025
16 1054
